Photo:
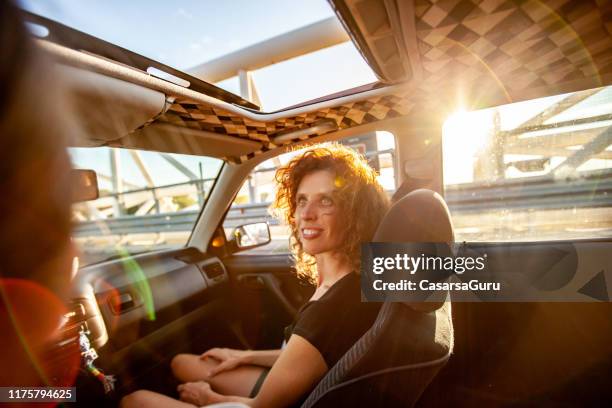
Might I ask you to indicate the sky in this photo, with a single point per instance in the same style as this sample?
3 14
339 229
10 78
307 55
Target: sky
182 33
187 33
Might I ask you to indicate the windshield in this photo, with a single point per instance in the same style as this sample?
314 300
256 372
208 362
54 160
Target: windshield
148 200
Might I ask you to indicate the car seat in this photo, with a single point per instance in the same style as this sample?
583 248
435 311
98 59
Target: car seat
395 360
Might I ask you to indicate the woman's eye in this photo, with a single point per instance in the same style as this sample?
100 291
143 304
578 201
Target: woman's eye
326 201
301 202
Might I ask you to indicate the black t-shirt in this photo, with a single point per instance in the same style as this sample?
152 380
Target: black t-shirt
335 321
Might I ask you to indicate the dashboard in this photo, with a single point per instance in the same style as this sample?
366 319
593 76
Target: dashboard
124 301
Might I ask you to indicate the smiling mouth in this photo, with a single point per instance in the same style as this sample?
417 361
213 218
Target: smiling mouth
311 233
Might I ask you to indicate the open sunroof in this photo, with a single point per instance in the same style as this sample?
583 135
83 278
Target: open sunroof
194 34
66 36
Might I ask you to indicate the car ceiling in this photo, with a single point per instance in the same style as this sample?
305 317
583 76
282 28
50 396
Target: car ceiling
428 54
519 46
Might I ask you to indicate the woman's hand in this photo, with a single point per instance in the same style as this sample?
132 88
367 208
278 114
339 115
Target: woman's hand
197 393
228 359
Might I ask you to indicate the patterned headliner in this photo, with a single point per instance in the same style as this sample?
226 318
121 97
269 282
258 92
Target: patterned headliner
189 114
511 47
522 44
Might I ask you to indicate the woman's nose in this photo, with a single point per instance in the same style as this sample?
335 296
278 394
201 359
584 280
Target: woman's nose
309 211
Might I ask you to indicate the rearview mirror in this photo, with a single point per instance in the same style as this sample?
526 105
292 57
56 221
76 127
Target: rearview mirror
84 185
251 235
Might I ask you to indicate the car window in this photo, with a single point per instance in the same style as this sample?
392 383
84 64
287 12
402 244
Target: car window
257 193
534 170
148 200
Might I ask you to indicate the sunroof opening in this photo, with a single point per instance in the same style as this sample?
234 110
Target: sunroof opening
311 76
194 32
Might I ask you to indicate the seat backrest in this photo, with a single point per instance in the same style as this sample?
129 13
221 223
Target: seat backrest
395 360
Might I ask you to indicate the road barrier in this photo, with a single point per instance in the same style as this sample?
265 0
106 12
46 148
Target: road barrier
590 190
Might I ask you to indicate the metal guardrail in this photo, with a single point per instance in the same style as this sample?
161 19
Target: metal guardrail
591 190
171 222
202 187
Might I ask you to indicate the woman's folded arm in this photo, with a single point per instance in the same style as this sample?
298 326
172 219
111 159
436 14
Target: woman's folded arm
264 358
297 370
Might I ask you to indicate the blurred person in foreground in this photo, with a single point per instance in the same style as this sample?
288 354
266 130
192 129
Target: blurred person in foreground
35 249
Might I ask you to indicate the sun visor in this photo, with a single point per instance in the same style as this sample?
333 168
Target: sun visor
107 108
161 137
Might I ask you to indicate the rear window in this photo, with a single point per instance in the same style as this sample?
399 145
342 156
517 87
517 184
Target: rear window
534 170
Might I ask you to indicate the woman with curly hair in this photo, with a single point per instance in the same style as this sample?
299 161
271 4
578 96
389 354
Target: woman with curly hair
332 201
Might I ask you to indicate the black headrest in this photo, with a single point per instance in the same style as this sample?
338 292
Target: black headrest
419 216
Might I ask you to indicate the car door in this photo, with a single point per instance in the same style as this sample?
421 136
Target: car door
533 192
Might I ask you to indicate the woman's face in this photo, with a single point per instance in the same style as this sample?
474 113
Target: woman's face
317 213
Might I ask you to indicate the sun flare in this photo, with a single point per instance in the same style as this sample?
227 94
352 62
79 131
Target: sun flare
464 133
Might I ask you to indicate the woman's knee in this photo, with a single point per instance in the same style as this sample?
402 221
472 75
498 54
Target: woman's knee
189 367
179 364
137 399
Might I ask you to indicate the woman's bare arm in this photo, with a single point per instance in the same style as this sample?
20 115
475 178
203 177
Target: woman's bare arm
296 371
264 358
229 358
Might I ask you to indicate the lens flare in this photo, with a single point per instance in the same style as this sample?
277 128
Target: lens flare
31 317
137 276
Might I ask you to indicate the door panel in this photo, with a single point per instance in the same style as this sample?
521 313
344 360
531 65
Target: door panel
267 295
532 354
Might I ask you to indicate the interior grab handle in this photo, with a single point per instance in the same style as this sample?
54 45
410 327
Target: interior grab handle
252 281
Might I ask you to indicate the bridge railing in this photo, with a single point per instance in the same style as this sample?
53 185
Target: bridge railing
590 190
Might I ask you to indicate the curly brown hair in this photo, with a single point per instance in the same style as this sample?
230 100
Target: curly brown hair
361 199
